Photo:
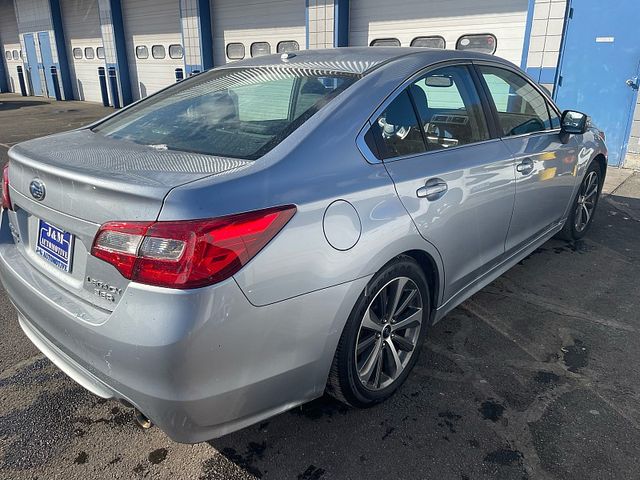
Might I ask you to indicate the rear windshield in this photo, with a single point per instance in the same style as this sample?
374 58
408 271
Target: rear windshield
239 113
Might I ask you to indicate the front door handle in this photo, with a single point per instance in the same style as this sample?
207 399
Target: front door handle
525 167
433 189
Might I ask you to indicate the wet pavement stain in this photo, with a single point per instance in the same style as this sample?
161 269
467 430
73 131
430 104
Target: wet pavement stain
81 458
503 456
448 419
158 456
546 377
575 356
491 410
312 473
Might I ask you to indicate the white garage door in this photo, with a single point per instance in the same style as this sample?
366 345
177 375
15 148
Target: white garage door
240 27
10 43
437 20
84 47
154 44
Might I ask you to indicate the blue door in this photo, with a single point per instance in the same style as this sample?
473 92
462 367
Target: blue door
599 67
47 60
33 65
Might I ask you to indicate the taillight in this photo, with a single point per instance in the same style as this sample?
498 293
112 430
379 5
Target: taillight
191 253
6 199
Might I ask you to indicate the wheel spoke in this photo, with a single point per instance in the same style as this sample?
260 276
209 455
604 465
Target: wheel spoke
403 343
412 320
397 363
591 191
405 303
371 321
378 369
587 214
364 344
367 368
397 295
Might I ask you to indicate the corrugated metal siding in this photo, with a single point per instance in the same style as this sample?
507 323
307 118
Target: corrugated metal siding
270 21
506 19
10 41
82 30
148 23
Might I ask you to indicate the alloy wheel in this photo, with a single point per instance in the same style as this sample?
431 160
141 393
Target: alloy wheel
586 204
389 331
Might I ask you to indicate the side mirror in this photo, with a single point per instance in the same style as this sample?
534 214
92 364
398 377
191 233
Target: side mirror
573 122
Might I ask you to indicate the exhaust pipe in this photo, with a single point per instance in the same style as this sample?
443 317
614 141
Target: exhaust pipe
142 420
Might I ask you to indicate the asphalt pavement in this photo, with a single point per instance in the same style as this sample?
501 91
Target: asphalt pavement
534 377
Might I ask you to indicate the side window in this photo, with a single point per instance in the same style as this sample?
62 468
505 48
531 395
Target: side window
158 52
260 48
385 42
521 108
555 118
398 130
142 52
449 108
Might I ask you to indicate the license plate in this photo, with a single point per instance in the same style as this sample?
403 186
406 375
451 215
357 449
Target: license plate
55 245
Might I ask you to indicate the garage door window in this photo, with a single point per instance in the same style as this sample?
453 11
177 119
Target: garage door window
260 48
100 52
521 108
385 42
7 55
236 112
288 46
485 43
175 51
235 51
158 52
429 42
77 53
142 52
89 54
16 55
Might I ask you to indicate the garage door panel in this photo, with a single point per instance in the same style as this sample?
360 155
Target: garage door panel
148 23
10 42
270 21
82 31
506 19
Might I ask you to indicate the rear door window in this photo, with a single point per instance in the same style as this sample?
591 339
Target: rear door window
449 107
521 108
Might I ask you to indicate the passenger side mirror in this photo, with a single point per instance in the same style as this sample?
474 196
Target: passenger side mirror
573 122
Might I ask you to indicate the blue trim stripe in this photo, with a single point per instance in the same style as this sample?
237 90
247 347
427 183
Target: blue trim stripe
121 51
527 35
306 22
545 75
563 41
4 85
206 34
341 23
61 49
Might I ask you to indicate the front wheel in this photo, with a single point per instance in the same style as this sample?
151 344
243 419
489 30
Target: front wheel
584 205
383 335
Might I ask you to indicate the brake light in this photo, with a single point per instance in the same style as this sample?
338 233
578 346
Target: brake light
188 254
6 199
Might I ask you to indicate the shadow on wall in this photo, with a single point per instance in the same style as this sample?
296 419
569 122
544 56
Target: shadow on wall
80 90
143 89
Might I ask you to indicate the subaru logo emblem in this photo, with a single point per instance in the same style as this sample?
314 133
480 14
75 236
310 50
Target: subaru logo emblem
37 189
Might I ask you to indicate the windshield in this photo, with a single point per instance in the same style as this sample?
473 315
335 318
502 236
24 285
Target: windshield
239 113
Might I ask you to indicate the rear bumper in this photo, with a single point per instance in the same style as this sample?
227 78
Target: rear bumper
199 363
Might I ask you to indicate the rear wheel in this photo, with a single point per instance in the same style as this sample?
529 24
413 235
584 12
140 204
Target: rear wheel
383 335
584 205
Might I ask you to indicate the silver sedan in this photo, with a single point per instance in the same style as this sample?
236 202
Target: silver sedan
252 237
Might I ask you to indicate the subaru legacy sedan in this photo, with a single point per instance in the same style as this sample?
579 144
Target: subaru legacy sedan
255 236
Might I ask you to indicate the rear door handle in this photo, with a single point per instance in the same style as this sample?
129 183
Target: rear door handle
525 167
433 189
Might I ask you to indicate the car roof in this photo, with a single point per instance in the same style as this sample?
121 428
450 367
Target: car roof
358 60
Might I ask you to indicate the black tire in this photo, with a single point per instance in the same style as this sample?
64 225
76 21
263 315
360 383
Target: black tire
344 383
570 231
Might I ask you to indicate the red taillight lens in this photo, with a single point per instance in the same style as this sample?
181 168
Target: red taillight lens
188 254
6 199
